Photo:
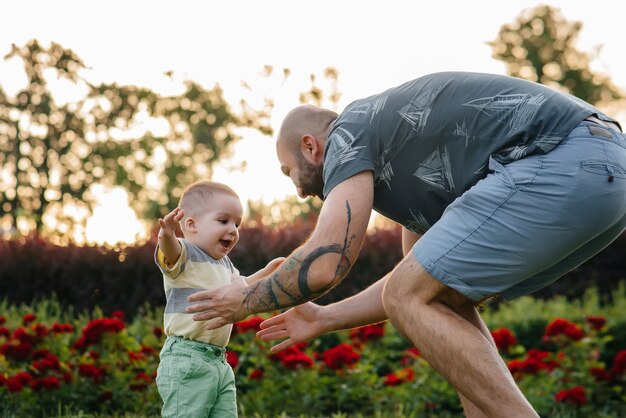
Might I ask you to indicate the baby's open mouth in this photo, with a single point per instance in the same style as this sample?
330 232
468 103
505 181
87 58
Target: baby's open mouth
225 243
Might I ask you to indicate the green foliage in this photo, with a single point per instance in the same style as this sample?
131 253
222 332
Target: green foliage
151 145
386 380
540 45
289 212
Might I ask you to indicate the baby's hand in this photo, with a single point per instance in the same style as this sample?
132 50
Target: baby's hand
169 222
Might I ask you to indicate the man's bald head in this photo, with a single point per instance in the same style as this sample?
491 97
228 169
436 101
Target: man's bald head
305 120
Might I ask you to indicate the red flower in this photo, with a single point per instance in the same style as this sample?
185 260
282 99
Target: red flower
600 374
148 351
41 330
117 314
575 395
534 362
14 384
294 349
40 353
392 380
409 356
252 324
89 370
399 377
139 356
157 331
57 328
23 336
5 332
24 377
50 361
368 332
143 376
257 374
28 318
340 356
95 329
619 363
295 360
2 320
232 358
48 383
563 327
596 322
19 351
504 338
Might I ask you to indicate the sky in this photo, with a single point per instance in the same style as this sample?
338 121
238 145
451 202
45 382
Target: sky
373 45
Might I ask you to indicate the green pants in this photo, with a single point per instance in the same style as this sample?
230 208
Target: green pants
194 380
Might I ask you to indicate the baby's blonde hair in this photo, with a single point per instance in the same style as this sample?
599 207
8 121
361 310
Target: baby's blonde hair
197 195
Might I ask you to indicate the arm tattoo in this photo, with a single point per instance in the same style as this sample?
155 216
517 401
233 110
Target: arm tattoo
279 290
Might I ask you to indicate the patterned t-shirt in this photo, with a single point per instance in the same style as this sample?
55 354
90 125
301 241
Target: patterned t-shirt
194 271
429 140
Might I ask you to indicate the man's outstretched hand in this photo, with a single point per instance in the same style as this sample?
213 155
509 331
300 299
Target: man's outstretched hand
300 323
220 306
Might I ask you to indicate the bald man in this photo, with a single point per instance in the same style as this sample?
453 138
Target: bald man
501 186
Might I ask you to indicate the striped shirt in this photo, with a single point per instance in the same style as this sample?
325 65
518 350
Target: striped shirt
195 270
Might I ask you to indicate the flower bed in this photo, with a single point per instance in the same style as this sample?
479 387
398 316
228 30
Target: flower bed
568 358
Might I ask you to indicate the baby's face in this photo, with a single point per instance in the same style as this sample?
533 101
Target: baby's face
217 227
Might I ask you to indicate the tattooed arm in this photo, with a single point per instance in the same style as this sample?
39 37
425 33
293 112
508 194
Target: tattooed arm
307 321
310 271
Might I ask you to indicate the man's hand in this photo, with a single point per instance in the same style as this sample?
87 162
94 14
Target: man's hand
220 306
300 323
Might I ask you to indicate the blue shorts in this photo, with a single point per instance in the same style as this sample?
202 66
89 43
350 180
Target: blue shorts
531 221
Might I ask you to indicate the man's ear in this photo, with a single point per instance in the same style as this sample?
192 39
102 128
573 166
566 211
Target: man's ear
311 148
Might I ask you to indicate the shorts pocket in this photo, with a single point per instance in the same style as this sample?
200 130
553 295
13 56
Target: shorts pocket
164 380
603 168
518 174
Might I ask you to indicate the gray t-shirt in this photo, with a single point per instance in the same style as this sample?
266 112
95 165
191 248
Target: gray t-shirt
429 140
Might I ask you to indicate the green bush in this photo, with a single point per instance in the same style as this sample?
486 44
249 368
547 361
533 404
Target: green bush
89 277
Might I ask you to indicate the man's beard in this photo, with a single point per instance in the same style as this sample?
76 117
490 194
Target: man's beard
311 178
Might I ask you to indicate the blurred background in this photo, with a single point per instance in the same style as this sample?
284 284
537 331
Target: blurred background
108 111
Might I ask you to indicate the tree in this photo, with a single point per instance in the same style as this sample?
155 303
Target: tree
293 210
540 46
152 145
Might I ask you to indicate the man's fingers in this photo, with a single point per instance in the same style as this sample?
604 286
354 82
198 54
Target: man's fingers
198 307
205 315
281 346
202 295
273 335
266 331
270 322
216 323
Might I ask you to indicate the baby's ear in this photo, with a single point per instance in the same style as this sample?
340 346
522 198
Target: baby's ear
190 224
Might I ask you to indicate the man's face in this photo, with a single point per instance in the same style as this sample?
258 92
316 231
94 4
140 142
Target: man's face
311 178
306 176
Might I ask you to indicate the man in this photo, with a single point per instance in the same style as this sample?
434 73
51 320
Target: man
507 184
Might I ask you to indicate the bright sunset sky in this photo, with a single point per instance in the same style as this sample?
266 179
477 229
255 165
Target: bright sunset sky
373 45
